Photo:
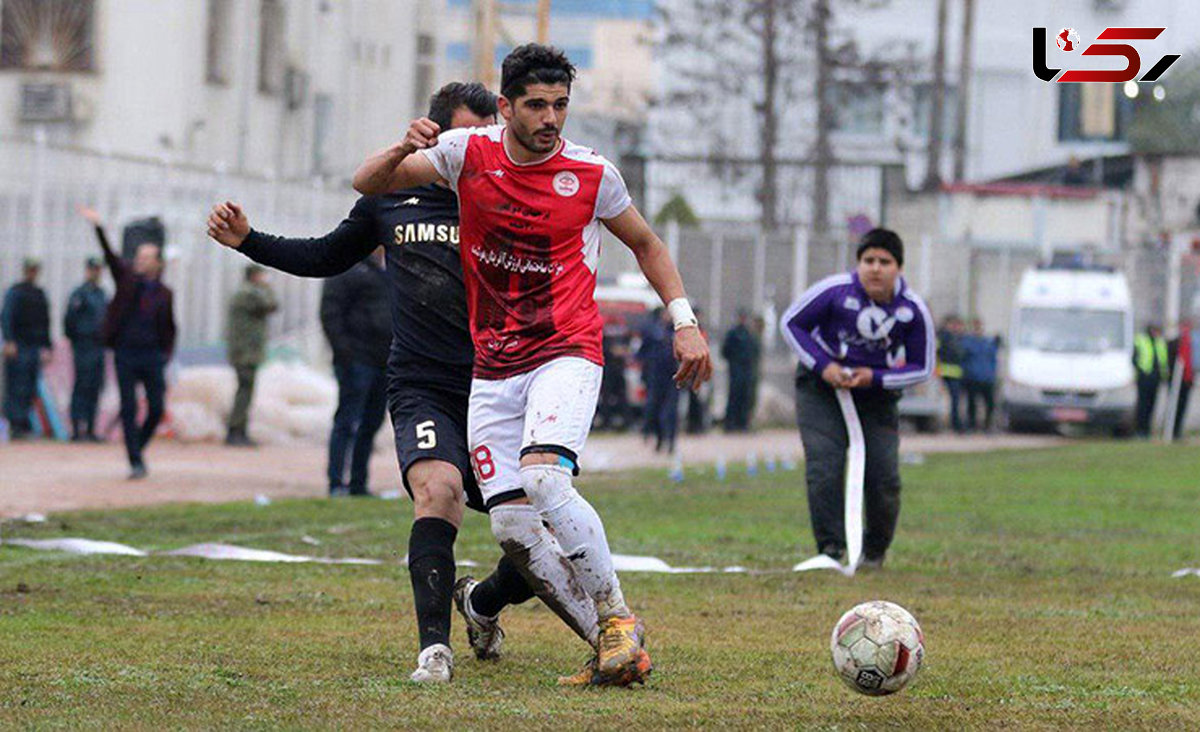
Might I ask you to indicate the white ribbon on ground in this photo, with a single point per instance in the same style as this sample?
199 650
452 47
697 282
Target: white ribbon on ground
856 461
241 553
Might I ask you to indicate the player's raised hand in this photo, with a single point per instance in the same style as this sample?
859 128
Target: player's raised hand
422 134
695 362
228 224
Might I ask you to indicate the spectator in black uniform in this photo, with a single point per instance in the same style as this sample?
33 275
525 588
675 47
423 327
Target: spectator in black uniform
26 327
657 356
429 380
356 317
82 324
741 350
139 326
612 410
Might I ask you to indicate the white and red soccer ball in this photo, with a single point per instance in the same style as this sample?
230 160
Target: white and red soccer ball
877 648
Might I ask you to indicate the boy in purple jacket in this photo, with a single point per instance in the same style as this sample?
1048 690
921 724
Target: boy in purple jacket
864 331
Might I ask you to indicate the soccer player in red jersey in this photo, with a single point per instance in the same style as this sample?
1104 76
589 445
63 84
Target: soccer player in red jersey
531 205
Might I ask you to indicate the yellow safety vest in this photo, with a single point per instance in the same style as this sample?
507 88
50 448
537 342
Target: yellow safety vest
1147 350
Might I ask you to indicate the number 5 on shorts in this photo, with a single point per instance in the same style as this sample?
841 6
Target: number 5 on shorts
426 437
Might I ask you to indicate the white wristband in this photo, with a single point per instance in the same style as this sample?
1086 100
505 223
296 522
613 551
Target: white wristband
681 312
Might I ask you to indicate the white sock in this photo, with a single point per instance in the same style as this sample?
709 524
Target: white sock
537 554
579 531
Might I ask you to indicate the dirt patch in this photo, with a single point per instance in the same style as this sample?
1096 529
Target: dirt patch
48 477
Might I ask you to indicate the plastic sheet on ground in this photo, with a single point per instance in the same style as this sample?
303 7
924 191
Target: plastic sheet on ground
77 546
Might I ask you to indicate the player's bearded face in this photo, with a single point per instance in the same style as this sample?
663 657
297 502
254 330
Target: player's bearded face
537 118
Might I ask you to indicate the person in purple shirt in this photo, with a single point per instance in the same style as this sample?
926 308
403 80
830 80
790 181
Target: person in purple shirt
865 331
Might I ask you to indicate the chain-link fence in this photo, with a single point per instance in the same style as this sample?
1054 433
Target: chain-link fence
42 186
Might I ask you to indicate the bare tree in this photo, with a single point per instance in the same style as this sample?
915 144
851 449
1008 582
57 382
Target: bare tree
771 56
750 53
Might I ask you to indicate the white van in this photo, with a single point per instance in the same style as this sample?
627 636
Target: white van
1070 351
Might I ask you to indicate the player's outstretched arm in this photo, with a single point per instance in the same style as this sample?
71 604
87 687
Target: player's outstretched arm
396 167
323 256
691 349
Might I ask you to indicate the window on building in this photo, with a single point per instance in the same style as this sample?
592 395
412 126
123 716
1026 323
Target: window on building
51 35
423 81
1092 112
271 58
923 110
857 107
219 52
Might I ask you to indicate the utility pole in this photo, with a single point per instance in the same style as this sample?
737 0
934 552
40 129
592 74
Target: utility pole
543 21
933 157
822 153
487 29
964 87
484 56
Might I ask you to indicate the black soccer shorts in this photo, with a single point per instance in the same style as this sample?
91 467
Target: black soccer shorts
431 424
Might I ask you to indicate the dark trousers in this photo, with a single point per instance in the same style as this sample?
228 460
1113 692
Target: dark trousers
823 433
741 400
662 413
1185 391
955 388
144 366
612 410
697 414
362 402
239 417
89 380
1147 395
980 391
20 387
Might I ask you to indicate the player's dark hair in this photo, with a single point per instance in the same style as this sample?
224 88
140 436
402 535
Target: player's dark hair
474 96
534 63
885 239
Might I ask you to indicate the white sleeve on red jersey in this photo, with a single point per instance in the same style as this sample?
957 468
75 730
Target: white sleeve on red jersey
613 197
449 153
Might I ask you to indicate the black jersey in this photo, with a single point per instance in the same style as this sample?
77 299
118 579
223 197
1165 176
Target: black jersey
431 342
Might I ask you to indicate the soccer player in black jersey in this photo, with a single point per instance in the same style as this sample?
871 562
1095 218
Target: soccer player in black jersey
429 382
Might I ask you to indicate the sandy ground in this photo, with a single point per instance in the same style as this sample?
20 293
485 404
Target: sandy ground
46 477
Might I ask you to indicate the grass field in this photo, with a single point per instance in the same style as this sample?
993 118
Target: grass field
1041 579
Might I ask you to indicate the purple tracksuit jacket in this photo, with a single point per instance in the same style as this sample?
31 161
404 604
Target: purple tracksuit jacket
835 321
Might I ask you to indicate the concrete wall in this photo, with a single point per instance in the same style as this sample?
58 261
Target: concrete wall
149 96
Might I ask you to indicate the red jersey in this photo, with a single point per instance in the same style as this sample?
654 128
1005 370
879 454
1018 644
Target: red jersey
530 244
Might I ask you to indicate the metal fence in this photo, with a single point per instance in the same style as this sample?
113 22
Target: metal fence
42 185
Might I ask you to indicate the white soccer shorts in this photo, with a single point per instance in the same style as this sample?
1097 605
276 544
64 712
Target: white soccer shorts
550 408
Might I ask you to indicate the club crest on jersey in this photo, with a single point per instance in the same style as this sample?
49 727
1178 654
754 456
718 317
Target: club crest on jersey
874 323
851 303
904 314
566 184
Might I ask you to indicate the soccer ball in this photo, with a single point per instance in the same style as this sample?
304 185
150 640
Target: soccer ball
877 648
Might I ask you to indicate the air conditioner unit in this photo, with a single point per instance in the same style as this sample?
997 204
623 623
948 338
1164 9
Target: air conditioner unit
45 102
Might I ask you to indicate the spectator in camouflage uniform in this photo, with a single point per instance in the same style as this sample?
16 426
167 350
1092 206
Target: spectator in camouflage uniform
247 340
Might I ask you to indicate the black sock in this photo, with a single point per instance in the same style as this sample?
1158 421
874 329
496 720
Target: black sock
503 587
431 567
